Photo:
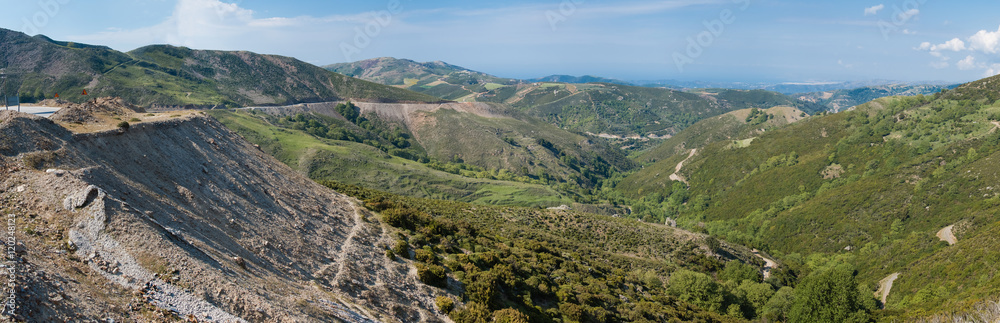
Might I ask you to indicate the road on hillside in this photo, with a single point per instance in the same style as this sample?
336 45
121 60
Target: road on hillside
884 286
768 264
676 176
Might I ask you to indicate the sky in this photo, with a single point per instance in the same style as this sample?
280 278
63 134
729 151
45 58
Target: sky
707 40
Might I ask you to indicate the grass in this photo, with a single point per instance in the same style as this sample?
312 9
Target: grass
493 86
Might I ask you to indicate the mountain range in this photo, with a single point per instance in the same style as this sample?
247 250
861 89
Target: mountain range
230 186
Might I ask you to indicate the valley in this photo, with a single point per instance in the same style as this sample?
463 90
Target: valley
230 186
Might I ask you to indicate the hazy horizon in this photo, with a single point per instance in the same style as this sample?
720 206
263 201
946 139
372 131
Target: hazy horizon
704 40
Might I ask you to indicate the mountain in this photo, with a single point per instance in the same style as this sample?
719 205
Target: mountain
177 218
838 100
630 111
38 68
460 151
877 190
435 78
576 79
631 114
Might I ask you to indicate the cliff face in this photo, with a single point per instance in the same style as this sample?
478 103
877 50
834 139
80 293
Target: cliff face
185 217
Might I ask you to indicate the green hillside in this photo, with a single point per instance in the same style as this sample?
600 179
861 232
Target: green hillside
438 79
867 189
357 163
39 68
529 265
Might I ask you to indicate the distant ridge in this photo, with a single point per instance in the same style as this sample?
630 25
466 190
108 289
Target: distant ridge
38 68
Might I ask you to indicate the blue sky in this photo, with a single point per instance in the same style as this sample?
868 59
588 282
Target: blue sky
717 40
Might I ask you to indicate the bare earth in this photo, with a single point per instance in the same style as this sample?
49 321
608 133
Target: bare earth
202 227
946 235
884 286
769 264
677 177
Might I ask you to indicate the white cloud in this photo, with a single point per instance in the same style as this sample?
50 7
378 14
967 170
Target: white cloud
967 64
952 45
985 41
924 46
845 65
873 10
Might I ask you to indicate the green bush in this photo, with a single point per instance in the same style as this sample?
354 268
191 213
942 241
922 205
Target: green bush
123 125
402 248
696 288
737 272
431 274
444 304
509 315
425 254
830 295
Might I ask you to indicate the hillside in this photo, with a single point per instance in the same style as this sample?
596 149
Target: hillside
116 230
867 189
628 111
207 227
438 79
39 68
839 100
633 115
460 151
576 79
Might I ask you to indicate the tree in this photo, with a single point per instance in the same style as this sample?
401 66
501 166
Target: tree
736 271
829 295
779 305
696 288
755 295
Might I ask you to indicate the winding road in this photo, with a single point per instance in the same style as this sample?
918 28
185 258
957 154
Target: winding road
884 286
768 263
676 176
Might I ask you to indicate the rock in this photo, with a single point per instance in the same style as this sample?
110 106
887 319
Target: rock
70 245
82 198
20 189
239 261
57 172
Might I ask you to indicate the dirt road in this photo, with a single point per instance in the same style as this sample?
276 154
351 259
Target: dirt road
768 264
884 286
677 177
946 235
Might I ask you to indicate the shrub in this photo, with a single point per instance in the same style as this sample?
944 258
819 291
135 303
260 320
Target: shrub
509 315
401 248
696 288
425 254
433 275
123 125
444 304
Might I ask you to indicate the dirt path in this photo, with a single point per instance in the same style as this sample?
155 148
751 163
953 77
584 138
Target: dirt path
768 264
677 177
997 126
946 235
884 286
